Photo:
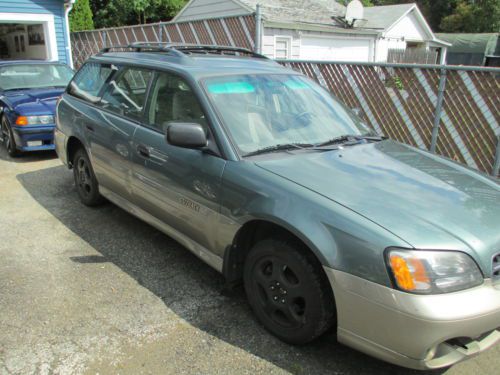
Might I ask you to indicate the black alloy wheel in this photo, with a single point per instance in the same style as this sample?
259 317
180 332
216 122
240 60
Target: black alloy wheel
85 180
288 291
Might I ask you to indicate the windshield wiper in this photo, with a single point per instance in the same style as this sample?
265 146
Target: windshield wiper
280 147
349 139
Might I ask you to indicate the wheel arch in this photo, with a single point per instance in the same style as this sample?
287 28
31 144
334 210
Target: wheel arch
255 230
73 144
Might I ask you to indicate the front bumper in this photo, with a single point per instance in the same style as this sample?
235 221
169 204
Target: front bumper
25 134
415 331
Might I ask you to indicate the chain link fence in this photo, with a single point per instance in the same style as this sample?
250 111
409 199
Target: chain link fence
228 31
453 111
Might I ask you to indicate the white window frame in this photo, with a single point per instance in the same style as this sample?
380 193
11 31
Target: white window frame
289 45
49 29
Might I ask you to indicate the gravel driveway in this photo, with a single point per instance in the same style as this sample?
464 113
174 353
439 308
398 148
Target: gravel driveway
97 291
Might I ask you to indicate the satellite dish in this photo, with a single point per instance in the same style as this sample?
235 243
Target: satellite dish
354 11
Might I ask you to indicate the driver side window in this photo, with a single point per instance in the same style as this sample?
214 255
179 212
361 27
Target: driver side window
173 100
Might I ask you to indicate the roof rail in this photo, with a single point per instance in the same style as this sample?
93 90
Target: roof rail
207 48
139 47
181 49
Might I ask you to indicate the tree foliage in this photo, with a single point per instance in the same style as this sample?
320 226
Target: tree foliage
109 13
80 17
442 15
470 16
482 16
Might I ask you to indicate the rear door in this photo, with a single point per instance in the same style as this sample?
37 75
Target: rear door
111 132
178 186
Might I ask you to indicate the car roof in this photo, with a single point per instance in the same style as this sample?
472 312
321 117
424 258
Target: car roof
196 65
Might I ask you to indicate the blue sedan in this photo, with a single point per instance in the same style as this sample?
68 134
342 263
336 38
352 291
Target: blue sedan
28 95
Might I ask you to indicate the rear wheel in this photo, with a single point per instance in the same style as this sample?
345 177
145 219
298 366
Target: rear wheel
288 291
8 138
85 180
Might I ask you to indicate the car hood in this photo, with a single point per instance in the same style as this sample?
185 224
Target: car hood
428 201
33 101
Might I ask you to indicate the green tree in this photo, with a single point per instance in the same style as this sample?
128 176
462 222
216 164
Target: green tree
433 10
481 16
80 17
109 13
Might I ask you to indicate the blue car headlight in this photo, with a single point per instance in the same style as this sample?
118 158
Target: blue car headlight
35 120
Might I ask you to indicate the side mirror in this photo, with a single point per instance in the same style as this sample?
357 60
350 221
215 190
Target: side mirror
186 134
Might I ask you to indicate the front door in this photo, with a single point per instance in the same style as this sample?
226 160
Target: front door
178 186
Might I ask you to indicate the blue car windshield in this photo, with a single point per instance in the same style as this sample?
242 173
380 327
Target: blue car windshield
34 76
263 111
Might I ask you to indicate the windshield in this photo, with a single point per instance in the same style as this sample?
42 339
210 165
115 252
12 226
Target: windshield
34 76
267 110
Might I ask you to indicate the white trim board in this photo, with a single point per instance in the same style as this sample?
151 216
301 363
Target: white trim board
49 28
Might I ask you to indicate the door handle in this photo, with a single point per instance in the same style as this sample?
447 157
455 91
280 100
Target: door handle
143 151
90 128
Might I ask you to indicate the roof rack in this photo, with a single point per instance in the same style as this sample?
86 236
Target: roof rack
140 47
181 50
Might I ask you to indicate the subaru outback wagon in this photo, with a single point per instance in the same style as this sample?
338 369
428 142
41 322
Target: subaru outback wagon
270 180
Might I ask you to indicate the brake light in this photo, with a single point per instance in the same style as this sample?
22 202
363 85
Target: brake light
22 121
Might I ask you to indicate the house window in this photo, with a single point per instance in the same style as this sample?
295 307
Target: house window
282 48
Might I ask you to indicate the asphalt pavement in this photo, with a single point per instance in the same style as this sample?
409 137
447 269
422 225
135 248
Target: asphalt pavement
97 291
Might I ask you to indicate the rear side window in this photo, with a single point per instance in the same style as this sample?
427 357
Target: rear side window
89 81
126 95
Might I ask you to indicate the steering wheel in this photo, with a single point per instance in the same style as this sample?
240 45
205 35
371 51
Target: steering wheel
302 117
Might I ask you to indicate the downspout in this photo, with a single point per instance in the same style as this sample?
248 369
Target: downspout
258 29
68 5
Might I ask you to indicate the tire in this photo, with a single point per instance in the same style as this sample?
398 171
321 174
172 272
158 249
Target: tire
8 138
85 180
288 291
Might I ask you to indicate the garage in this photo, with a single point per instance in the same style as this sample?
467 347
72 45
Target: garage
23 41
35 29
335 49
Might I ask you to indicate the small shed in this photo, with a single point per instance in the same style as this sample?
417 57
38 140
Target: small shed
473 49
35 29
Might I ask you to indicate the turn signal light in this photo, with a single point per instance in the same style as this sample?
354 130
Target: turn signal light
22 121
408 272
432 271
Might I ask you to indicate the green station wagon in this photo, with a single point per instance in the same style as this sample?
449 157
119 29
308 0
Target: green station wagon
273 182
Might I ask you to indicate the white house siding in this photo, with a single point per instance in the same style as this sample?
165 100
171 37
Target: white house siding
406 29
409 27
206 9
315 45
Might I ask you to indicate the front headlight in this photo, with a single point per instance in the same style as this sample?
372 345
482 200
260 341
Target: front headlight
432 272
35 120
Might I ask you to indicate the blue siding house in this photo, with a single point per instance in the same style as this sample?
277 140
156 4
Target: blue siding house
35 29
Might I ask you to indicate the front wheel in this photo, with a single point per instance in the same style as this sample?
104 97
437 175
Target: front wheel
8 138
85 180
287 290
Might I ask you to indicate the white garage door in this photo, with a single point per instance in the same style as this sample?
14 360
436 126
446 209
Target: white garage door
335 49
